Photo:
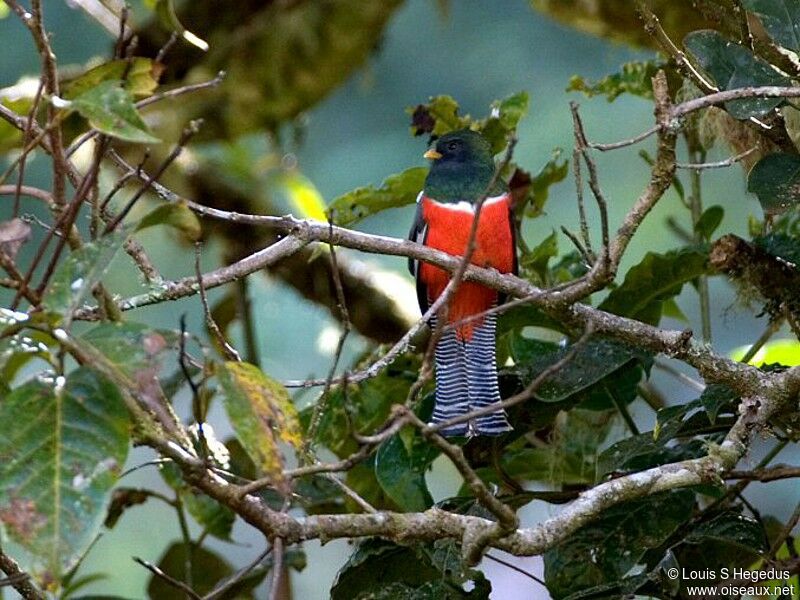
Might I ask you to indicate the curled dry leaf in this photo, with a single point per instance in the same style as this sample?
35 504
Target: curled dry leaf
13 234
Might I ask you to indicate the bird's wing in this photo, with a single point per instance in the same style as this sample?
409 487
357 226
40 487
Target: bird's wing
418 233
501 298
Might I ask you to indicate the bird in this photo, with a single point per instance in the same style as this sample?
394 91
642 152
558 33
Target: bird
462 173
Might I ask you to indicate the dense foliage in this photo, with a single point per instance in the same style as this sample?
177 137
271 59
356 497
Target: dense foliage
80 381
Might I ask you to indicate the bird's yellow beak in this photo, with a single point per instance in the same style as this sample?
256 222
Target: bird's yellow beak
432 154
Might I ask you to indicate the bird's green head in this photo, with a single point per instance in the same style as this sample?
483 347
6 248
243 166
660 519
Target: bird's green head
462 169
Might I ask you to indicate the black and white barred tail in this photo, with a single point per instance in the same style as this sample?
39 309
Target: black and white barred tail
466 380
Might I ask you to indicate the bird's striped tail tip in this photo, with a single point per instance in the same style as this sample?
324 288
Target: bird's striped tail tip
493 424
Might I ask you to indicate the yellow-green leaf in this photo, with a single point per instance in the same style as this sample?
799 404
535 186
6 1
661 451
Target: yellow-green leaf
141 77
785 352
261 413
303 196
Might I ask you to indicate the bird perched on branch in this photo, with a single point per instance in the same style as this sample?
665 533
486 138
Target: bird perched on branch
461 176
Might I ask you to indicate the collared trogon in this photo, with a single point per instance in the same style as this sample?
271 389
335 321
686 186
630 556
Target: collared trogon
463 168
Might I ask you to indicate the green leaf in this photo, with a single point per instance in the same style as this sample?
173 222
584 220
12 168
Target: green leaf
634 78
554 171
363 407
781 19
605 550
733 66
569 459
593 361
731 528
109 108
141 77
642 452
208 569
133 348
176 215
62 445
438 117
397 190
400 471
539 257
76 275
506 115
383 570
775 179
656 279
262 415
709 221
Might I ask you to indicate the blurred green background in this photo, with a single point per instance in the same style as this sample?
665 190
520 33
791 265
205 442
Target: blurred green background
476 52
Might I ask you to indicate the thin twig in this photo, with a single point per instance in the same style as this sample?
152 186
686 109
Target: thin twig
229 351
721 164
168 579
226 584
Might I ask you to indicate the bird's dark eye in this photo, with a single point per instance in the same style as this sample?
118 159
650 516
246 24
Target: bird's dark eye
452 146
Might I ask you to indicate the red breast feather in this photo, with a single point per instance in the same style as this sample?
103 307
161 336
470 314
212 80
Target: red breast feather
449 226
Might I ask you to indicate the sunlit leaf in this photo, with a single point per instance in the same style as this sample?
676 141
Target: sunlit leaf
733 66
397 190
109 108
173 214
303 196
261 413
784 352
62 446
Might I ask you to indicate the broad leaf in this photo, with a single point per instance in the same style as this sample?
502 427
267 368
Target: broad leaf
384 570
604 551
570 458
733 66
437 117
81 270
656 279
537 260
173 214
363 407
208 570
634 78
781 19
400 471
397 190
141 77
642 452
775 179
593 361
302 194
62 446
731 528
109 108
262 415
709 221
133 348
